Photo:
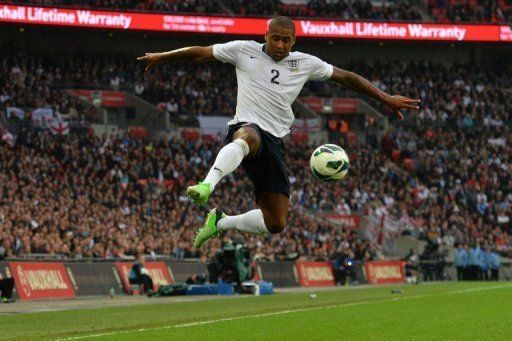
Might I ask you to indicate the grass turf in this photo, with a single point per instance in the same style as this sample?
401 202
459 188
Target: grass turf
430 311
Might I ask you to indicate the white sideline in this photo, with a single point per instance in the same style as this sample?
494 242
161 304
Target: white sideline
284 312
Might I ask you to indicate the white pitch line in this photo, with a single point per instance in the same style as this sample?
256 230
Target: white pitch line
283 312
478 289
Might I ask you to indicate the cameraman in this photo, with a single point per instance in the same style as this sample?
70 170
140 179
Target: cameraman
231 264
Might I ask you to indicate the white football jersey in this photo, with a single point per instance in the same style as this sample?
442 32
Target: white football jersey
266 88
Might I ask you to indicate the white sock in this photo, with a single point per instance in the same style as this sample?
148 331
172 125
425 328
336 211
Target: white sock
251 222
228 159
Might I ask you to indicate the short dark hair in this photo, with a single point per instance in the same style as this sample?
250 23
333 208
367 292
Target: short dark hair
282 21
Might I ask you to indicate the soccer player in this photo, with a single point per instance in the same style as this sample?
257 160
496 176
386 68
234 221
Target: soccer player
269 76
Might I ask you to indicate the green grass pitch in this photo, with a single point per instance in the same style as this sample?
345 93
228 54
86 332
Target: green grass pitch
443 311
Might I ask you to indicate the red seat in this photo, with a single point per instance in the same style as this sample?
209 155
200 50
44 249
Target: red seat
293 9
137 132
208 137
190 134
300 137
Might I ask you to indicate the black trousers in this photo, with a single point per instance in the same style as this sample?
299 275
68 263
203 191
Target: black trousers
473 273
495 274
145 280
460 273
6 287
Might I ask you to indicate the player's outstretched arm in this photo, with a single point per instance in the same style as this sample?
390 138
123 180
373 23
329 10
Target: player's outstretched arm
197 54
357 83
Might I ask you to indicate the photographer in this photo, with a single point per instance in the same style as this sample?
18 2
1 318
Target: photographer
6 288
411 267
140 275
344 267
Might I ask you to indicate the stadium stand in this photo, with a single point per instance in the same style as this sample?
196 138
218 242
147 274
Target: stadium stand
173 6
349 10
433 173
357 9
483 11
443 11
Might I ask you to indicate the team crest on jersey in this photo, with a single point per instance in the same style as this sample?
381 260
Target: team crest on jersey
294 65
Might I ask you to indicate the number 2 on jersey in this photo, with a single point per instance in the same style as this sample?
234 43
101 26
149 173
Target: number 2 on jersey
276 75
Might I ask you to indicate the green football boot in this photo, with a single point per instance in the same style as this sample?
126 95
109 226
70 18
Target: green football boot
209 229
199 193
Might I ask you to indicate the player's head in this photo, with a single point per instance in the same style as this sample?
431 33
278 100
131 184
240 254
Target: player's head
280 37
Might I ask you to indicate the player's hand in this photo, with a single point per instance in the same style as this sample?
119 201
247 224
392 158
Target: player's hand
397 103
151 59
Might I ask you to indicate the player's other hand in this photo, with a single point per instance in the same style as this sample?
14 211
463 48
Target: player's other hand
151 59
397 103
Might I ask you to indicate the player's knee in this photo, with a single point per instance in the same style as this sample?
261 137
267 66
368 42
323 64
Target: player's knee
275 224
251 137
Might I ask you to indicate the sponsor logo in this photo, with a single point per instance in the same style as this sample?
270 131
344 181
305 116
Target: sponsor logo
31 280
315 274
318 273
385 272
41 280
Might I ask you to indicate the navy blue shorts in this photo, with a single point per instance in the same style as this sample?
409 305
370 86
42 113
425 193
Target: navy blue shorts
267 169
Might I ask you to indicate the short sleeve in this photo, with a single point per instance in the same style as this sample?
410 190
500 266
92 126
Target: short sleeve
319 70
228 52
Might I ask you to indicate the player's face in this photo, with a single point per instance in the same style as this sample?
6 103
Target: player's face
279 41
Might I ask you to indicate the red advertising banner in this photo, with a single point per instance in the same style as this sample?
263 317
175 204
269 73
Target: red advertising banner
106 98
314 274
331 105
385 272
349 222
252 26
37 280
157 271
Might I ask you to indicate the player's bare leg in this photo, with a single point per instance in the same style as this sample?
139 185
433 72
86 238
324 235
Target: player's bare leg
245 143
275 208
269 218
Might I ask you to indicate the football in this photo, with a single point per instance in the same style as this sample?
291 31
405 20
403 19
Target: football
329 163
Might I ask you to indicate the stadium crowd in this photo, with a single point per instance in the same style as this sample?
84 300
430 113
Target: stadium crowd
342 9
37 80
84 196
483 11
